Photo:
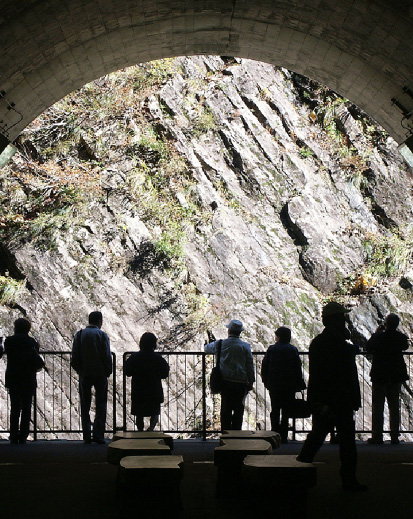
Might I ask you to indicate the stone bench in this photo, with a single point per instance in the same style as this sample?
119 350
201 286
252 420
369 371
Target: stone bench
128 447
279 482
228 459
270 436
150 485
144 435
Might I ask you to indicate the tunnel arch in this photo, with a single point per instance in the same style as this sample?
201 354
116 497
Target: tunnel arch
362 49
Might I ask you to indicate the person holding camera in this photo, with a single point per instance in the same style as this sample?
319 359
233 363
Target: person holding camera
237 370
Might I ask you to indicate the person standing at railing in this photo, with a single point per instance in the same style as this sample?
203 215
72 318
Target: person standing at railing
147 369
388 372
282 375
23 361
237 370
334 393
92 360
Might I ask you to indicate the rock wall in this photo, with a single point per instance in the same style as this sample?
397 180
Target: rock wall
228 189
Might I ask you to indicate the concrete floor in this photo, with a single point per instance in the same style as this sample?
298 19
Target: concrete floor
67 479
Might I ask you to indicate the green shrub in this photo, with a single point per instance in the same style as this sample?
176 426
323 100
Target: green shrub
10 289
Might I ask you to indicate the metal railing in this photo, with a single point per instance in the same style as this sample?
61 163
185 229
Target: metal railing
56 400
189 410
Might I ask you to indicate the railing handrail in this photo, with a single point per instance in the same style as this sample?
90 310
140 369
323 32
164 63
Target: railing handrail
202 405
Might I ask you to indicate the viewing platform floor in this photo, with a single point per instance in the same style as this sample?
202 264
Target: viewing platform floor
65 479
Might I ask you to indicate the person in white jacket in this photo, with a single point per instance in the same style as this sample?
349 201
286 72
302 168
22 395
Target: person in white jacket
237 370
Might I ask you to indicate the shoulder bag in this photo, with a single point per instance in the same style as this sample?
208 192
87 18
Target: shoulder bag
215 380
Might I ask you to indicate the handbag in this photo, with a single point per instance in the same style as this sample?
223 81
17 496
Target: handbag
36 361
215 380
300 408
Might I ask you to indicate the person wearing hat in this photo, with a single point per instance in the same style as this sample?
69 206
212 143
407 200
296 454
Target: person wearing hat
388 372
237 370
334 393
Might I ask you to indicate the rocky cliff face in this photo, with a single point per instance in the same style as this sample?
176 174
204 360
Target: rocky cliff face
201 189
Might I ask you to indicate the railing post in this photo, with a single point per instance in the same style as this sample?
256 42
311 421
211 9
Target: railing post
204 414
114 392
35 415
124 392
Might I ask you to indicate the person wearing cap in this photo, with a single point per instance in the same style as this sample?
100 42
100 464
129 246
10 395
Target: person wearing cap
334 393
388 372
282 375
237 370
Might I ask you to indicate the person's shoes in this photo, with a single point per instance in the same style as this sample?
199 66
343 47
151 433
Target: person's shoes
355 487
373 441
88 442
395 441
99 441
22 441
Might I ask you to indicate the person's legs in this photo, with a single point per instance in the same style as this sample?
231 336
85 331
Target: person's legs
140 424
275 413
15 408
153 421
347 442
393 397
239 394
101 396
284 424
26 413
315 438
226 406
85 392
378 397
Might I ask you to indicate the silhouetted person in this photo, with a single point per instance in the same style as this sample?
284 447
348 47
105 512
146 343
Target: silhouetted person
237 369
388 371
147 369
22 364
91 358
334 393
282 375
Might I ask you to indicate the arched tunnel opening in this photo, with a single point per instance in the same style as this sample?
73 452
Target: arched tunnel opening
180 193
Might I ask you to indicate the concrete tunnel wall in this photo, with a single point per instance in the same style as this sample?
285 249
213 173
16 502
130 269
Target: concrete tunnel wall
363 49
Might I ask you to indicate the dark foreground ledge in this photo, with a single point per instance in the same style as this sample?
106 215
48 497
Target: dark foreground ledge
67 479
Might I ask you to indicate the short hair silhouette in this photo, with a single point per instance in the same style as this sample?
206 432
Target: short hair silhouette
148 342
95 318
284 334
22 325
392 321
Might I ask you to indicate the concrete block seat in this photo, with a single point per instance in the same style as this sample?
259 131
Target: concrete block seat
144 435
279 481
228 459
270 436
118 449
150 484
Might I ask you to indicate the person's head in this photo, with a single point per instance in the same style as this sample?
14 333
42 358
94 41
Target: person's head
96 318
392 321
148 342
235 327
22 325
334 315
283 334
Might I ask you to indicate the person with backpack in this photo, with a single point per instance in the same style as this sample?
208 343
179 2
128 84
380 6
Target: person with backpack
282 375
